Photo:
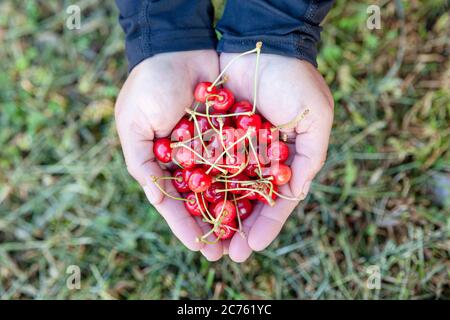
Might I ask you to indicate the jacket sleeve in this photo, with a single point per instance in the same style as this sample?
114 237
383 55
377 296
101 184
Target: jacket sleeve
286 27
156 26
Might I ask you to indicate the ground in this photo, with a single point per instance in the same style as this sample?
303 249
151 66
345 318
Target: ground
66 198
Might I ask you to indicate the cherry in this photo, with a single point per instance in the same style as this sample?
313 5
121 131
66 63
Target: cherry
244 122
251 195
224 210
244 208
199 181
203 90
278 151
187 173
252 168
185 157
203 124
194 207
241 107
265 188
236 160
179 182
215 120
184 130
265 134
224 231
162 150
281 173
211 194
234 183
224 100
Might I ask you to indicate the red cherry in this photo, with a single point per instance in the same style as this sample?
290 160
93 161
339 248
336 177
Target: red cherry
224 101
241 107
265 188
179 183
211 194
244 122
252 168
278 151
203 90
187 173
234 183
265 134
225 210
184 130
199 181
281 173
244 208
194 207
162 150
224 231
203 124
236 160
185 157
215 120
251 195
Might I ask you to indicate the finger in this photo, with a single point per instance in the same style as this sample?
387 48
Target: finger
182 224
239 250
311 146
270 221
212 252
137 147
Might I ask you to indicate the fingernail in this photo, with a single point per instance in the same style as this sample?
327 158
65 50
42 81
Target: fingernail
150 194
305 190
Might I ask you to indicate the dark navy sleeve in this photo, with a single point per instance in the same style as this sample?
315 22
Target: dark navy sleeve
286 27
156 26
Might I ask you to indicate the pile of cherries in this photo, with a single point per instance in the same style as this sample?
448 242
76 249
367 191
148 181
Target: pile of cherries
223 158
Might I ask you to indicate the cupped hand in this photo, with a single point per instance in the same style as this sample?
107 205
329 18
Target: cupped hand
286 88
149 105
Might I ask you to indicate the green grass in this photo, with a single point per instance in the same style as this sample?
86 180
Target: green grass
66 198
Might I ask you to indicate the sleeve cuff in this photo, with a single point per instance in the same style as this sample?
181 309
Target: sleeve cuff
291 45
141 48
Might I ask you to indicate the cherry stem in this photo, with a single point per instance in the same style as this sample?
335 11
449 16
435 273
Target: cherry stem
255 81
257 49
269 200
191 112
293 123
155 181
255 154
231 146
212 165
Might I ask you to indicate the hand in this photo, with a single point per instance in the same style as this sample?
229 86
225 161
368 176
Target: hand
286 87
150 104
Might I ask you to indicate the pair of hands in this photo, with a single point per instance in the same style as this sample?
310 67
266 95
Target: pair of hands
153 100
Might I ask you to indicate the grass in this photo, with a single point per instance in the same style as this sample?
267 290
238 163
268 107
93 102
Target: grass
66 198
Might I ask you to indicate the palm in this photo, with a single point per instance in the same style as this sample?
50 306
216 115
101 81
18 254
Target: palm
286 87
150 104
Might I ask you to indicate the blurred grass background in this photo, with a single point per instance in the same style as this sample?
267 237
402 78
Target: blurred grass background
66 198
